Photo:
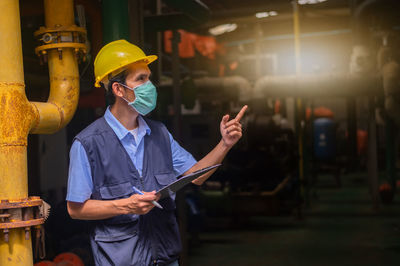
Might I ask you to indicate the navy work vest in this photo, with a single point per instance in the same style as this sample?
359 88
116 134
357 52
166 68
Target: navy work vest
151 239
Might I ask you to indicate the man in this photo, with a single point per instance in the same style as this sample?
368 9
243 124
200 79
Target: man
124 149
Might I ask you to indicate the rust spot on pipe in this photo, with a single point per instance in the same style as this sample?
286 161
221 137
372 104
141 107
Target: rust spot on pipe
13 84
13 144
36 120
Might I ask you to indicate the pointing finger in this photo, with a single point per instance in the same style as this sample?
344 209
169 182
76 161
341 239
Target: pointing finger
241 113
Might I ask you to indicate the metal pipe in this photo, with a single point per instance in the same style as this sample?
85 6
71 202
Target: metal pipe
373 177
228 84
310 86
231 82
391 78
115 20
18 116
300 108
15 120
63 72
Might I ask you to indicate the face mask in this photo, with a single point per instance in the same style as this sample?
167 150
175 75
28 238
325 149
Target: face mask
146 98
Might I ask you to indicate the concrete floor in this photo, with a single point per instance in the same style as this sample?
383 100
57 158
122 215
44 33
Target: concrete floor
340 228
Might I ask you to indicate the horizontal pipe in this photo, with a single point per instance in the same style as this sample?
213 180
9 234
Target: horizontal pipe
222 82
227 84
317 86
291 36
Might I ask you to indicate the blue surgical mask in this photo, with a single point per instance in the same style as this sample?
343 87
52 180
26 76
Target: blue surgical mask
146 98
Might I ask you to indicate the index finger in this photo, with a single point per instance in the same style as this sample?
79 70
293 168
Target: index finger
148 197
241 113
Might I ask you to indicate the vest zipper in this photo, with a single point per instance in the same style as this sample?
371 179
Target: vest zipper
141 182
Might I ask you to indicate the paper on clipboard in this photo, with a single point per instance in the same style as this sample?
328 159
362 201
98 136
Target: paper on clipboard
183 181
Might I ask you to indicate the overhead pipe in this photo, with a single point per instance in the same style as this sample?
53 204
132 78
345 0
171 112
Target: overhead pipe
309 86
195 9
19 117
226 83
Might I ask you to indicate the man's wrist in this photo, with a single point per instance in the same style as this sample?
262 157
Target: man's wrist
120 206
224 146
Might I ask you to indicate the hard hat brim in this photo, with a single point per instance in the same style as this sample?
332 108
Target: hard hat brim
147 59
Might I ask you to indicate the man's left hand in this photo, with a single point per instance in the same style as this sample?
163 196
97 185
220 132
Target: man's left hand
231 130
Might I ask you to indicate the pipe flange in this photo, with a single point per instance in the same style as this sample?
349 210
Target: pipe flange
60 38
22 213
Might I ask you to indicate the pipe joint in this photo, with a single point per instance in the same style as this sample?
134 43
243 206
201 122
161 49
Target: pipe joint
59 38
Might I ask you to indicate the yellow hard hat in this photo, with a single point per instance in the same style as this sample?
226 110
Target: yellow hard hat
114 57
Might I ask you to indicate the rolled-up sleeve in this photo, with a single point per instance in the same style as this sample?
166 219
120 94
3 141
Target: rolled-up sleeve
80 183
181 159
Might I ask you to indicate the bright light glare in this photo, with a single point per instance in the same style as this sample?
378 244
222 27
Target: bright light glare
262 14
310 2
273 13
266 14
221 29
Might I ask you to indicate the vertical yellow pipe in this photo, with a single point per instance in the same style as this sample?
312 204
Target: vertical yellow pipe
10 33
16 116
58 13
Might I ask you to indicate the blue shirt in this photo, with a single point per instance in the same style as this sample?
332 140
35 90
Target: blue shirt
80 183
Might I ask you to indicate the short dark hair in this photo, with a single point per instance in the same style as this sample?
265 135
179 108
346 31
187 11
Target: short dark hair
119 78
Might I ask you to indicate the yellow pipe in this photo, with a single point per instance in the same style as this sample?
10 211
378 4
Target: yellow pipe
12 54
18 116
58 13
64 93
64 75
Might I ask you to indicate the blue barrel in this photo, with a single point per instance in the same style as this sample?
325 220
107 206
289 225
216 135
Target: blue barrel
324 139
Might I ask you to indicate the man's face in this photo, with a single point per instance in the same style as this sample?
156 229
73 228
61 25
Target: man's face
138 74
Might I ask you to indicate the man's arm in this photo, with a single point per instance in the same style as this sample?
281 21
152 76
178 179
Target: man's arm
103 209
231 132
80 187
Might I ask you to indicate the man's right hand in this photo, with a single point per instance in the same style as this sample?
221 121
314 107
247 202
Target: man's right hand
103 209
141 204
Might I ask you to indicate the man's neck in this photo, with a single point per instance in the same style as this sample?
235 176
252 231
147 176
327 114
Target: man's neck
125 114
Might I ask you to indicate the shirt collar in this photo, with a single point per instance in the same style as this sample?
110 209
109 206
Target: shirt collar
120 130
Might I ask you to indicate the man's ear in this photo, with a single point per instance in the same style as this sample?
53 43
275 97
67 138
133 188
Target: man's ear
117 89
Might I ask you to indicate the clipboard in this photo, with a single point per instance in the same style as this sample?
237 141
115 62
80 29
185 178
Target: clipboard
172 188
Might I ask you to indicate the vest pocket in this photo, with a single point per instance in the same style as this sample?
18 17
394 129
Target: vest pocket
122 190
118 245
165 179
118 191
